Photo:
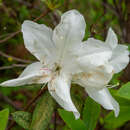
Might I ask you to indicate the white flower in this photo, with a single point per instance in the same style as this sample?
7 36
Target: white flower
100 61
53 50
63 57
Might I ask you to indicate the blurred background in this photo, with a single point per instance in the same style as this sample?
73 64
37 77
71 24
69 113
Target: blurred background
99 16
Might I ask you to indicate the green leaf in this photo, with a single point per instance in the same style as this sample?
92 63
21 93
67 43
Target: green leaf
77 101
124 91
70 120
4 118
22 118
43 112
91 113
112 122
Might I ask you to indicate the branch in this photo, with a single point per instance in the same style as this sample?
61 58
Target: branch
10 36
17 32
42 15
12 66
9 101
14 58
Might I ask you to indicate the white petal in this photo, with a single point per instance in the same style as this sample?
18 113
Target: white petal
59 88
104 98
93 53
37 39
66 35
96 78
70 65
34 73
31 69
70 30
111 39
120 58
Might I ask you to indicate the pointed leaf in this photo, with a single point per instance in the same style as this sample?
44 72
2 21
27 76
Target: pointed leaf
4 118
77 100
43 112
124 91
70 120
112 122
22 118
91 113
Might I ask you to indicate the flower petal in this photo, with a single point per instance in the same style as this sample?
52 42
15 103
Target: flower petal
96 78
111 39
34 73
120 58
68 34
37 39
59 88
104 98
70 30
93 53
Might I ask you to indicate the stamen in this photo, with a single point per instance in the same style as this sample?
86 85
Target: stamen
112 86
43 85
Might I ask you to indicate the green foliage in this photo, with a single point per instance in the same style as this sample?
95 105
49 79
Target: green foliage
114 122
43 112
124 91
70 120
115 78
91 113
0 2
77 101
53 4
4 118
22 118
24 13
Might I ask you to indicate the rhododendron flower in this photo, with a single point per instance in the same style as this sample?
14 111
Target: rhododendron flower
100 61
63 58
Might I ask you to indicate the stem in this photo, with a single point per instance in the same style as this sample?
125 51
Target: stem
14 58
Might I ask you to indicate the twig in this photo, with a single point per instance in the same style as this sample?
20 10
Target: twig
29 104
110 7
42 15
9 101
17 32
35 98
10 36
14 58
12 66
116 6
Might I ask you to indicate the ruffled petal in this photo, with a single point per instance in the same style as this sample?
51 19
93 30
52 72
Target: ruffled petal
120 58
92 53
104 98
97 78
38 40
34 73
59 88
111 39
